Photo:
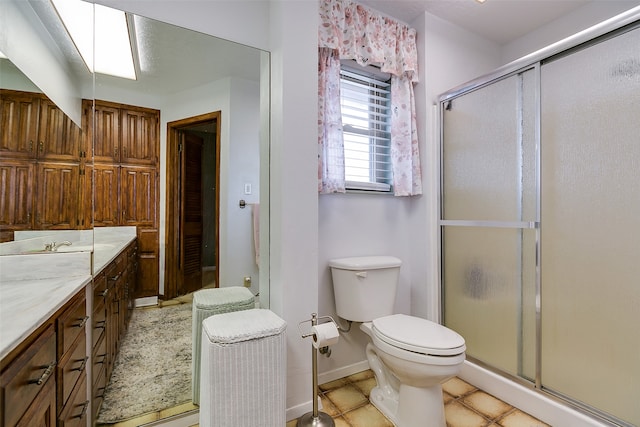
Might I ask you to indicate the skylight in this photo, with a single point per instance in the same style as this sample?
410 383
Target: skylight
113 53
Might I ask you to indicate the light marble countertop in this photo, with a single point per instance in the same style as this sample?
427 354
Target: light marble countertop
27 304
34 287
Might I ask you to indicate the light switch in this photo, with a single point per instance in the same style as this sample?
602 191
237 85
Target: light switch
247 188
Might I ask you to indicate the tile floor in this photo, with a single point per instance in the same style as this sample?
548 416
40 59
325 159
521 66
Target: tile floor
346 400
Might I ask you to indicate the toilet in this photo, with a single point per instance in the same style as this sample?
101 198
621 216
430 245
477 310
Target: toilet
411 357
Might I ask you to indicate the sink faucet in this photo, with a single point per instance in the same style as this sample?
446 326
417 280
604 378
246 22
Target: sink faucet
53 246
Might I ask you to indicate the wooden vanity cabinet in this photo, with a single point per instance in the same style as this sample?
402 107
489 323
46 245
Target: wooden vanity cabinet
72 350
29 381
112 305
43 378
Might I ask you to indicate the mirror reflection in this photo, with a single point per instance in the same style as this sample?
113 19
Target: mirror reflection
169 189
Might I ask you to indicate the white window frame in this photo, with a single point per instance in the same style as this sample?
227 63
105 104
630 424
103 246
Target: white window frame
369 121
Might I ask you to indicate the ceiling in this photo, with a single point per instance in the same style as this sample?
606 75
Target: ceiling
500 21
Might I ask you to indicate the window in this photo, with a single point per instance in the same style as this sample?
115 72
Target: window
365 100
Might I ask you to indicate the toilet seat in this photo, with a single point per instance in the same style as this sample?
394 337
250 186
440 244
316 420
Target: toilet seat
418 335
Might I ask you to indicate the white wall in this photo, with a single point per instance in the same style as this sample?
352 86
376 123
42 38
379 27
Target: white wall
294 198
357 224
237 258
23 38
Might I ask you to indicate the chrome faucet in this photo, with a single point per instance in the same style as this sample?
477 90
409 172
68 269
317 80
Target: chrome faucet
53 246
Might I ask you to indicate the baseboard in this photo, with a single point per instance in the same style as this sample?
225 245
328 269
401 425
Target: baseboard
528 400
297 411
190 418
345 371
146 301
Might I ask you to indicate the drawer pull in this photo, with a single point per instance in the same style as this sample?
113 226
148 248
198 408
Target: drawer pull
82 322
104 359
46 374
116 277
104 293
82 365
100 325
85 406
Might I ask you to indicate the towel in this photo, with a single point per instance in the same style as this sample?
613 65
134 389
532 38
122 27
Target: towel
256 231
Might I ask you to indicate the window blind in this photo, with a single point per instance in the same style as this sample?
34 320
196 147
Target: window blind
365 101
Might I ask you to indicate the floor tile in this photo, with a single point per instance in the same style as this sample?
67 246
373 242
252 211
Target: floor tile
456 387
366 385
364 375
458 415
446 397
341 422
519 419
328 407
347 398
486 404
333 384
367 416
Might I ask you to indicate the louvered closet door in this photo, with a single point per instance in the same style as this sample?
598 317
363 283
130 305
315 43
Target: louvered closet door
192 213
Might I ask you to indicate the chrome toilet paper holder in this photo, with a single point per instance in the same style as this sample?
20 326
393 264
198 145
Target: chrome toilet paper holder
316 418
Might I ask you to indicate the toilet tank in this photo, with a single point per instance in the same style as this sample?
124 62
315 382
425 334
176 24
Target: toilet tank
365 287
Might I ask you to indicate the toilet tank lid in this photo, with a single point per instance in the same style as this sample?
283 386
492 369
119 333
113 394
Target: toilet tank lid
365 262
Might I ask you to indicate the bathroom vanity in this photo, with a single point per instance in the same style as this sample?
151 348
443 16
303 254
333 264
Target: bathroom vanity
62 316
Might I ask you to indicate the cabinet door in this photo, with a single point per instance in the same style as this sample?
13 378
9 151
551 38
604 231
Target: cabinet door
148 263
26 377
42 411
57 196
104 128
59 138
16 197
140 142
106 191
19 124
138 192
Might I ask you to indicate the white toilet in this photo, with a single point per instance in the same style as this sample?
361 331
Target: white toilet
411 357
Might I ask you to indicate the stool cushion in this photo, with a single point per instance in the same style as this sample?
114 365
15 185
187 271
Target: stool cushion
241 326
219 299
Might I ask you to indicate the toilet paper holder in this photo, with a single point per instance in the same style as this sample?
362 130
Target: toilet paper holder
315 418
314 322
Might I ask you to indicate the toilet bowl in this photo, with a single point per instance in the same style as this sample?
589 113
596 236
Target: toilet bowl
411 357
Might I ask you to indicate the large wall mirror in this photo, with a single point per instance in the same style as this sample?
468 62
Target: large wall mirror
209 170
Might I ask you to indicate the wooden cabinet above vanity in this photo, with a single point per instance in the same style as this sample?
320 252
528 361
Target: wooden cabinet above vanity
56 175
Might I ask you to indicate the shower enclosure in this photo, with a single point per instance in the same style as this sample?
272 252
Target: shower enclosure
540 220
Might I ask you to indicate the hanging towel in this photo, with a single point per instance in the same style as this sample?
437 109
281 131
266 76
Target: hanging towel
256 230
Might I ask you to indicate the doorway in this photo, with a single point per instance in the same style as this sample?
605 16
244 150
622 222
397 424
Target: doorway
193 165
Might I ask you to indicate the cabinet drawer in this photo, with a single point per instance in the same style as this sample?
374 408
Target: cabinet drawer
75 412
99 287
71 323
43 409
99 322
71 368
27 374
97 394
99 358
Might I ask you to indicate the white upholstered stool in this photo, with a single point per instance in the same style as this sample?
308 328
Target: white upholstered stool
206 303
243 378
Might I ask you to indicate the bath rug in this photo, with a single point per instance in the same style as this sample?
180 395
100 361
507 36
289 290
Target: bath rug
152 371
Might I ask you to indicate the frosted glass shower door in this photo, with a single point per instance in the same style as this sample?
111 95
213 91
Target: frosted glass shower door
590 229
488 206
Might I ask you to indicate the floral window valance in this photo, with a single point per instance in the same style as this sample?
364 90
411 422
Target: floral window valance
369 38
348 30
